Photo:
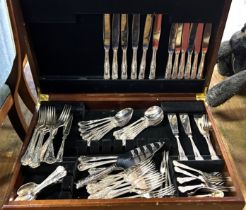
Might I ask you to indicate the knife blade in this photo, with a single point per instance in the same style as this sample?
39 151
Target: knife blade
185 39
156 38
205 43
106 42
146 39
171 47
115 44
198 41
135 41
177 50
193 29
124 44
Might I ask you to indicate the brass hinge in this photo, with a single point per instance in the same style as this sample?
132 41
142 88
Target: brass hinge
202 96
41 97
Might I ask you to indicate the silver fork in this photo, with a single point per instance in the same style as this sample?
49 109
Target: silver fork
204 127
47 150
35 160
187 128
25 159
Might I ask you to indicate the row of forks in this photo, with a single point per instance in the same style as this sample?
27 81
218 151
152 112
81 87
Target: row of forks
203 125
38 151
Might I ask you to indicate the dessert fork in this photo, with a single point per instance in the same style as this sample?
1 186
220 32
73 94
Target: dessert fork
204 126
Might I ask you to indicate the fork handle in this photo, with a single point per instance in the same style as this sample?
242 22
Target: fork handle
210 148
184 189
195 149
182 155
180 165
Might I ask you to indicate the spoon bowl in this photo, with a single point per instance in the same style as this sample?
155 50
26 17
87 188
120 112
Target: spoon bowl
123 117
26 188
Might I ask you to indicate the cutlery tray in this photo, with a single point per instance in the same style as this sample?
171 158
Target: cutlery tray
75 147
65 48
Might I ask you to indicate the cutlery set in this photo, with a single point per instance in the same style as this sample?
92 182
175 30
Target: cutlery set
120 33
197 183
203 125
187 38
39 150
94 130
184 38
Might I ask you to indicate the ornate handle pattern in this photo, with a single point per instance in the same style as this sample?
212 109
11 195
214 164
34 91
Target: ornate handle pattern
194 67
153 64
94 177
115 64
201 66
124 64
188 66
195 149
175 65
169 65
106 64
134 65
181 65
54 177
182 155
211 148
184 189
143 64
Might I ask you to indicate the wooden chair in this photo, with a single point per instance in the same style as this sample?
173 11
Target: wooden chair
16 87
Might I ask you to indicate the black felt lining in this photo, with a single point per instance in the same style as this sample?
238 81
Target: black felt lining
75 146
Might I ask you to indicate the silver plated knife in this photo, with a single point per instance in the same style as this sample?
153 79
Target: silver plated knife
156 38
173 121
177 50
205 43
146 39
124 44
171 47
198 41
135 41
192 36
106 42
115 44
185 39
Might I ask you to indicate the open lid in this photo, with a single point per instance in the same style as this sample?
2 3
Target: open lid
67 41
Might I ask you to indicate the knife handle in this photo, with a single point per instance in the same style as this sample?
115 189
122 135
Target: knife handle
181 65
175 65
134 63
201 66
153 64
188 66
106 64
115 64
169 65
124 64
194 66
143 64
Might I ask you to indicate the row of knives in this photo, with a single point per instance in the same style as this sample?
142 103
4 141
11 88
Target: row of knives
184 38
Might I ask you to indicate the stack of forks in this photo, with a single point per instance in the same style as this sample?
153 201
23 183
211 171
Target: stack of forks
39 150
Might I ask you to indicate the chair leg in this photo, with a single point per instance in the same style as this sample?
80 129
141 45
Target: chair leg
17 120
26 95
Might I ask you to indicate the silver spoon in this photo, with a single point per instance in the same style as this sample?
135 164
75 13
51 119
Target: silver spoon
95 131
30 190
152 117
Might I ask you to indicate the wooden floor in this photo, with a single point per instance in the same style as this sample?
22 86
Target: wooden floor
230 119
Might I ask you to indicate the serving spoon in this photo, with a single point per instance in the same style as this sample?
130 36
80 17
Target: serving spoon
30 190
